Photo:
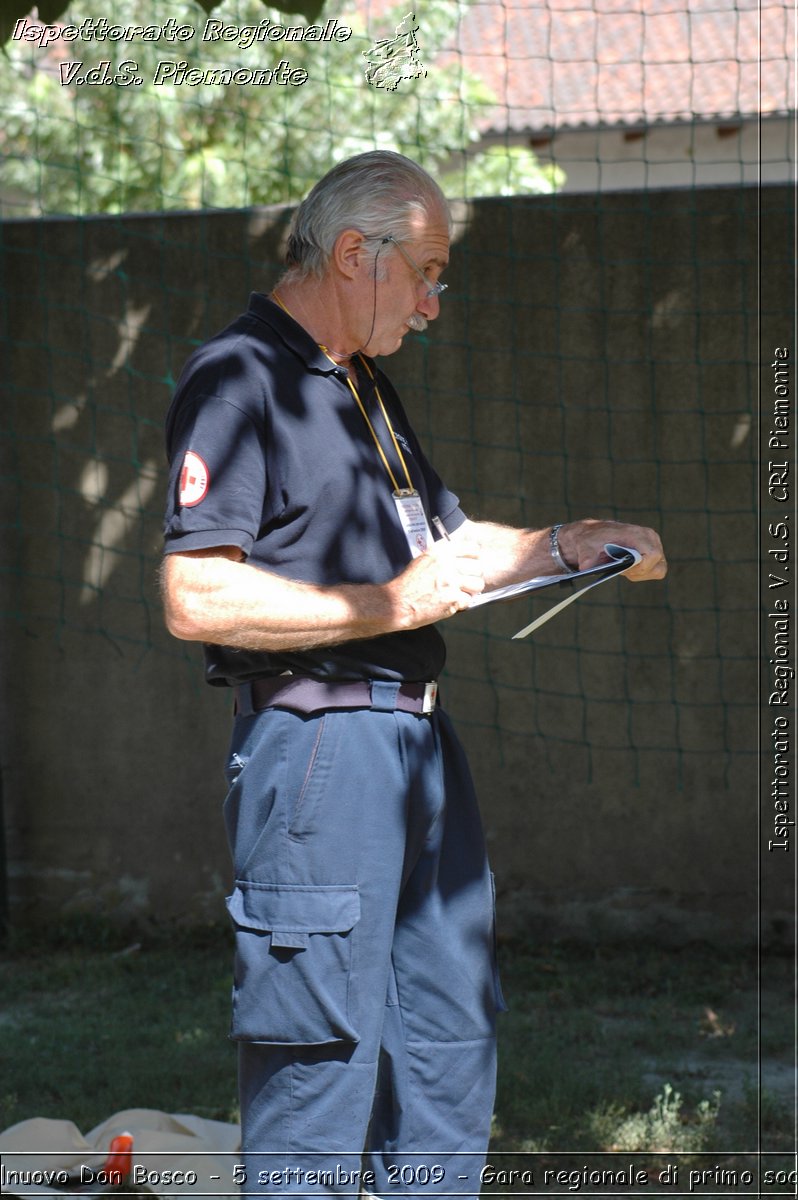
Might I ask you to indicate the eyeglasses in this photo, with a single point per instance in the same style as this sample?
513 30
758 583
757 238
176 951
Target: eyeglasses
433 289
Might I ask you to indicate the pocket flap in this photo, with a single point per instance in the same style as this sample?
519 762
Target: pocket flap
295 908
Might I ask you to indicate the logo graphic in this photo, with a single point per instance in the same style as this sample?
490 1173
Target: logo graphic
194 480
393 59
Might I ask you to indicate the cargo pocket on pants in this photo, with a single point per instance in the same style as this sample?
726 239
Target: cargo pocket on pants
294 963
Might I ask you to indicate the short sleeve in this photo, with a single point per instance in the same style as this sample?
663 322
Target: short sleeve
445 504
217 479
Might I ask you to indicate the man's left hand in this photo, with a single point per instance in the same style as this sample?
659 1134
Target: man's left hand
582 545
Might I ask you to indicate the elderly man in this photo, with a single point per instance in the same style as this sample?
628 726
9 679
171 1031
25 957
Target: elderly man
312 548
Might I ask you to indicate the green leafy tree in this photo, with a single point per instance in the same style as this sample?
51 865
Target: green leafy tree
121 147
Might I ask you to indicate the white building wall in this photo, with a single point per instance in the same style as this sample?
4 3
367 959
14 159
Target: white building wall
704 155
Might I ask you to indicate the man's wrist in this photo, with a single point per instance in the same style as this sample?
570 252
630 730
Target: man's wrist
556 550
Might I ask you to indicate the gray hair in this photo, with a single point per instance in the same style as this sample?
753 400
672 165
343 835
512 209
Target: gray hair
378 193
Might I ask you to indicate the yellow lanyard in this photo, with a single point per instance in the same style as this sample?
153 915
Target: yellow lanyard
366 417
373 431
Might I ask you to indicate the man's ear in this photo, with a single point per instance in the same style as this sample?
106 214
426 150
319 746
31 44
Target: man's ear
349 252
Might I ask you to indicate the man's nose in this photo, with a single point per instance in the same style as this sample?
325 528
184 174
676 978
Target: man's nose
429 307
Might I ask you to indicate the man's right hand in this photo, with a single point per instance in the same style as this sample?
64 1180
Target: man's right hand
437 584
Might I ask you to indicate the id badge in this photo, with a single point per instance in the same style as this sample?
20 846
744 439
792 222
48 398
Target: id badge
414 520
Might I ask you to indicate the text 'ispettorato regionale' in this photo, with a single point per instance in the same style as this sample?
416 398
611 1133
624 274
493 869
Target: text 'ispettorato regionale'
98 29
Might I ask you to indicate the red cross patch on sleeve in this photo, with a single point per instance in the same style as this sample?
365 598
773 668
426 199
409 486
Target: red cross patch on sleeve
194 480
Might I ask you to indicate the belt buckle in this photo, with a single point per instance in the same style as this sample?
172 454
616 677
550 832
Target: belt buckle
430 697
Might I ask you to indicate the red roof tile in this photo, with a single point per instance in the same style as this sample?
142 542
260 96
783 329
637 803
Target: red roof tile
564 63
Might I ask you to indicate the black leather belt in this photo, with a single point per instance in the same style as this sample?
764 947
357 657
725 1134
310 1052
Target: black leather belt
304 695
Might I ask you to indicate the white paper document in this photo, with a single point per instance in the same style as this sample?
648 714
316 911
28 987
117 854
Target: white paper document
620 558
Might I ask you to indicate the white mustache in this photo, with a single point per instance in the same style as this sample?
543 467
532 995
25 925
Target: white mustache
417 323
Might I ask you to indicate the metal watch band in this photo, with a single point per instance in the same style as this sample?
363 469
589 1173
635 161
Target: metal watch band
554 547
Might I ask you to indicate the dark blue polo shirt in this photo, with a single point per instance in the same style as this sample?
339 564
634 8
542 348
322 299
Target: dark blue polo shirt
270 452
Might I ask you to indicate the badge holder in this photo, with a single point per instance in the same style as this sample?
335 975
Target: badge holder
413 519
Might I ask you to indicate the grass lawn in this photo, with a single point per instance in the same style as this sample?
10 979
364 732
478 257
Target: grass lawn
644 1049
628 1049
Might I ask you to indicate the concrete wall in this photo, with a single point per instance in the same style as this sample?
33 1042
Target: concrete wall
594 356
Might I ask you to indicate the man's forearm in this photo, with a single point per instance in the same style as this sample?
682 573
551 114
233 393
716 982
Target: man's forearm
509 555
228 603
213 596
